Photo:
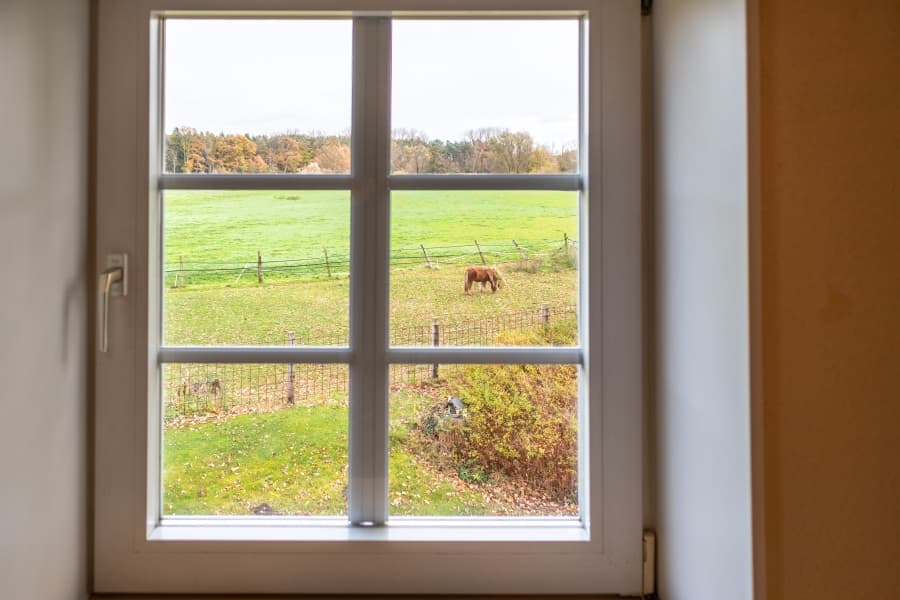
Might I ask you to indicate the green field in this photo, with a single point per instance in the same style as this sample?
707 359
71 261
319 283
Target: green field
294 461
226 230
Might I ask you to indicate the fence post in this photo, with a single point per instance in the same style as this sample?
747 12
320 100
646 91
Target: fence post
180 269
545 314
435 341
259 271
427 260
566 242
480 253
521 252
290 394
327 264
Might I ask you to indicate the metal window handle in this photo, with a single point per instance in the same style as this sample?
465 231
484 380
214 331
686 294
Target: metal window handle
107 279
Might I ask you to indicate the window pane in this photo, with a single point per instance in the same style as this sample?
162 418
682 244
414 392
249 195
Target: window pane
483 440
484 268
487 96
254 439
257 96
256 267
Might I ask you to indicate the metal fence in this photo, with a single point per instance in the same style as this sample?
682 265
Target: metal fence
196 392
335 262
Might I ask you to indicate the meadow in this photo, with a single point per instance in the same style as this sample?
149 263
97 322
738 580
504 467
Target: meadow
227 227
293 461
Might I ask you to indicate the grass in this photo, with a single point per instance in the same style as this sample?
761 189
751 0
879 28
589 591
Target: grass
205 229
253 313
294 461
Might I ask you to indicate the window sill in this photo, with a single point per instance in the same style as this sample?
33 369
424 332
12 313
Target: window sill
408 529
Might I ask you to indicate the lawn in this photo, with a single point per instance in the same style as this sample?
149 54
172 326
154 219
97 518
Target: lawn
294 462
292 459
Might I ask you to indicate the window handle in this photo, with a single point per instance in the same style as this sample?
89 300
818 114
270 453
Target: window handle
111 283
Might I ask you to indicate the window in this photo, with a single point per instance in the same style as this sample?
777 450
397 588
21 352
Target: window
383 347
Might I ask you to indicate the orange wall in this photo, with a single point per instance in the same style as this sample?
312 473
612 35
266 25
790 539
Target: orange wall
830 257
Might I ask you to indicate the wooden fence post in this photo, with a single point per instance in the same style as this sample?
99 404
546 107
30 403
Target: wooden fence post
180 270
427 260
290 394
480 253
521 252
327 264
545 314
259 271
435 341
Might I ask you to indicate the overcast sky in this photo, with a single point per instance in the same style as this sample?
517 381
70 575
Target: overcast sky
239 76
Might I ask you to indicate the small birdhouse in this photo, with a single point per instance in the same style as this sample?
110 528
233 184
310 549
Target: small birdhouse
455 407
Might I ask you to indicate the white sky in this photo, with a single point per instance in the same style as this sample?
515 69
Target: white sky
240 76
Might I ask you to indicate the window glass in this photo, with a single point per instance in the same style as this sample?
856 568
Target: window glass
487 96
263 439
483 268
257 96
256 267
483 440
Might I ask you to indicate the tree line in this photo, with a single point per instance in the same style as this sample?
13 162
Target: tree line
485 150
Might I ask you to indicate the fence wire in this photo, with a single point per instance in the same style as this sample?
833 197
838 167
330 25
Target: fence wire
329 263
196 392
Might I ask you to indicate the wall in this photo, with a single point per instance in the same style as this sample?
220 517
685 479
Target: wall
702 504
43 308
830 242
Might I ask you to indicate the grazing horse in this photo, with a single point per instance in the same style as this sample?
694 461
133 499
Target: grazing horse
482 275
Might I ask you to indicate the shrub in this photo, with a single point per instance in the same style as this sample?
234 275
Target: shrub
520 420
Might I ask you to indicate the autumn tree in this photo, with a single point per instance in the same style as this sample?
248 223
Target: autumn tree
568 161
542 161
333 157
237 154
479 141
485 150
510 152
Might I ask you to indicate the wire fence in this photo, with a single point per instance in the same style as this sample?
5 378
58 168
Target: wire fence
336 262
199 392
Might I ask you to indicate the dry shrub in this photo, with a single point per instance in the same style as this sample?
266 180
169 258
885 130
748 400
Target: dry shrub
520 421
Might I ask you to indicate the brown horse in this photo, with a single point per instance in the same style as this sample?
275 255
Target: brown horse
482 275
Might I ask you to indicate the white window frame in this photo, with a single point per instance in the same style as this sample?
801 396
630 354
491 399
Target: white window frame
138 551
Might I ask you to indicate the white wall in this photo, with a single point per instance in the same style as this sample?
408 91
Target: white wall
703 509
43 305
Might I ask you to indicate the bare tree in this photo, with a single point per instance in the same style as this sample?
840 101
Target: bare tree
511 152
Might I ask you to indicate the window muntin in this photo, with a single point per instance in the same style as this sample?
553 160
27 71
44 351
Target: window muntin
276 304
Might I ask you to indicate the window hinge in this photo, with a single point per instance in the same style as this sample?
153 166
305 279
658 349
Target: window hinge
646 7
648 588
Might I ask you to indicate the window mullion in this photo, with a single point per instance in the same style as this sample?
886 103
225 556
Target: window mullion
369 270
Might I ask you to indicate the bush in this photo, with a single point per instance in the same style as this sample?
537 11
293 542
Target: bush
520 420
520 425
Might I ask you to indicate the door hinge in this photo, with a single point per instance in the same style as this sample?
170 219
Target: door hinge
648 588
646 7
